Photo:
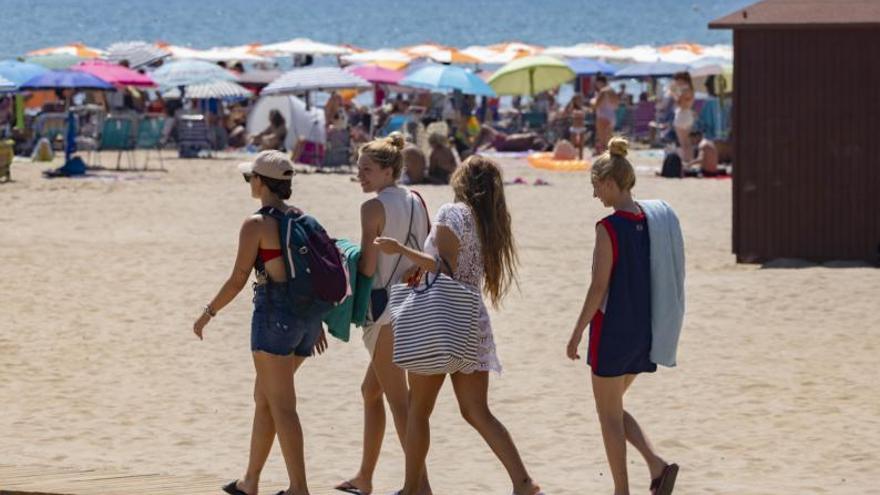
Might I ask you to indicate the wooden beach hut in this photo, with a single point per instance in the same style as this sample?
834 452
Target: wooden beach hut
806 130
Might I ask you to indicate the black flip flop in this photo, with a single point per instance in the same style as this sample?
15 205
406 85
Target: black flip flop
663 484
348 487
232 489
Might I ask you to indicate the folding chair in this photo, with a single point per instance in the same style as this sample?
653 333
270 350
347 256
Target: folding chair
149 137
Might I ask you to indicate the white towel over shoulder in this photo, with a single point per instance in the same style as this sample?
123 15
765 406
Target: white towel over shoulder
667 280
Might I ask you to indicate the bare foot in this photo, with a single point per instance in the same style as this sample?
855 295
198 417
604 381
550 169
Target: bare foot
527 488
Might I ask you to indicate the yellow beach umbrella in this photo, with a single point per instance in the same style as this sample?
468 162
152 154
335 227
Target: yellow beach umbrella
531 75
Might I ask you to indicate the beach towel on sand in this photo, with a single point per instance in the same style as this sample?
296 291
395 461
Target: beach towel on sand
667 280
353 309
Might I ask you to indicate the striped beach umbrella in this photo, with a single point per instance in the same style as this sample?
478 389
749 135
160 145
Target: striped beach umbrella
212 90
315 79
137 53
190 72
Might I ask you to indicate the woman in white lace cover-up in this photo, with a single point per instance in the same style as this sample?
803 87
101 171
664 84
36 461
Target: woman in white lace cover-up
473 235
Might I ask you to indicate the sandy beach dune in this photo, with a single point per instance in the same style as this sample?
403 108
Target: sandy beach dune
101 279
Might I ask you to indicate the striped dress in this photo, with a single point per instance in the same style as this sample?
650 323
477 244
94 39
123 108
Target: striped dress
620 331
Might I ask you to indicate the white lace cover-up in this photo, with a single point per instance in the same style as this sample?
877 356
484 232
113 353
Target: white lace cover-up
459 218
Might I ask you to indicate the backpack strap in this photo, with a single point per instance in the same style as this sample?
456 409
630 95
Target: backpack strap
425 205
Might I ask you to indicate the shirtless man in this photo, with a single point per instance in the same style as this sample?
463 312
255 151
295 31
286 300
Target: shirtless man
706 162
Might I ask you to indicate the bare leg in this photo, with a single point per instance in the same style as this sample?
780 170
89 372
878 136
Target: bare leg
393 381
603 135
637 437
686 149
374 432
578 138
471 390
275 375
262 437
423 396
608 394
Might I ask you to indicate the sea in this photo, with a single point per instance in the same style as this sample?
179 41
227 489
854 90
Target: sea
27 25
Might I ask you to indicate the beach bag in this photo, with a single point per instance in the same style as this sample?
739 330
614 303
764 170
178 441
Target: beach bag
317 278
671 166
435 325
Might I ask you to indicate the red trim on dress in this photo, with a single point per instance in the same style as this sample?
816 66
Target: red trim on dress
629 215
613 235
595 338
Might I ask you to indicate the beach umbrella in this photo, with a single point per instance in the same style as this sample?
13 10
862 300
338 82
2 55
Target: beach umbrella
439 53
20 72
243 53
6 85
376 74
66 79
114 74
179 52
76 49
584 50
303 46
531 75
589 67
445 78
378 57
639 54
307 79
710 66
212 90
137 53
55 61
651 69
258 77
189 72
502 53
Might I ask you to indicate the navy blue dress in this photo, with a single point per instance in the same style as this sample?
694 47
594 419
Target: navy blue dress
620 331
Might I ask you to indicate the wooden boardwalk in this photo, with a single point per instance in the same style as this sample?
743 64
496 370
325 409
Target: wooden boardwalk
42 480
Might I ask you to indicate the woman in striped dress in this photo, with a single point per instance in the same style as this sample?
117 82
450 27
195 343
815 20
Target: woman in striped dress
618 310
473 235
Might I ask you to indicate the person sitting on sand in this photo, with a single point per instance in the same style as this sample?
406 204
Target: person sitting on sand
618 309
414 164
277 354
273 136
442 161
706 162
489 138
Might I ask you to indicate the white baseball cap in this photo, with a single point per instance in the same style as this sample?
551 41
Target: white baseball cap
270 163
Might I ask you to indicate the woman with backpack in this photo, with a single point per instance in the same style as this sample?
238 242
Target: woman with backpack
281 337
472 237
399 214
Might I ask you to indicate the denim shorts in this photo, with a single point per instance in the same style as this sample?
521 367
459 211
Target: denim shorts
274 326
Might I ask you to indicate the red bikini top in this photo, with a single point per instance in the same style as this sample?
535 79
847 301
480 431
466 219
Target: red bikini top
269 254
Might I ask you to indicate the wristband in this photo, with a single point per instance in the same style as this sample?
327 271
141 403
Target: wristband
210 311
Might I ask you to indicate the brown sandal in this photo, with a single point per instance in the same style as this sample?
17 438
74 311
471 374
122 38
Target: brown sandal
663 484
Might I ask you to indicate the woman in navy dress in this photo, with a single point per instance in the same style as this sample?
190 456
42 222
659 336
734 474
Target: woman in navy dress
618 310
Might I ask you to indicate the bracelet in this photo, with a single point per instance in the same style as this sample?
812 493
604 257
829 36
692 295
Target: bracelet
210 311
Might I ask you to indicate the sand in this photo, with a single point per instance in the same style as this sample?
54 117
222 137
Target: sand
101 280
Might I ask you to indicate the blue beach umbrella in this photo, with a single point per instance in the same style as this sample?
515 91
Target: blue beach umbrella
445 78
590 67
6 85
651 69
66 79
20 72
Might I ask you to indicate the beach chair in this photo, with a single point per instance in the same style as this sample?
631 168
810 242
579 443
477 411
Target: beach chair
641 120
7 154
534 121
117 134
193 136
52 126
337 151
149 137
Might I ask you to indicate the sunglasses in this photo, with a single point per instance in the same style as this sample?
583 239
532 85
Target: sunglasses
247 177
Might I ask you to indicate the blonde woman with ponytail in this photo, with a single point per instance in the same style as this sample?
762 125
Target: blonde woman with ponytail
473 235
400 214
618 309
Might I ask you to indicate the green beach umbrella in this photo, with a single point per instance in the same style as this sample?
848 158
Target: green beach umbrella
531 75
57 61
